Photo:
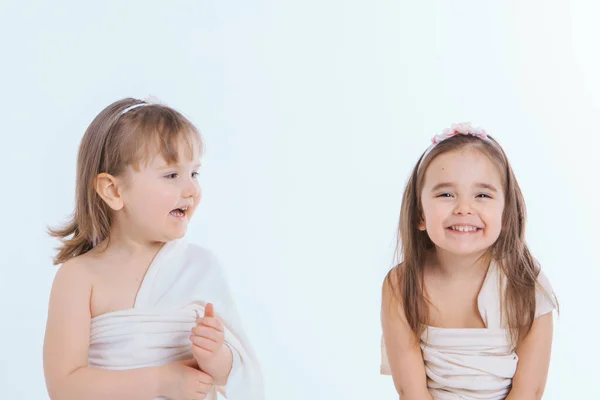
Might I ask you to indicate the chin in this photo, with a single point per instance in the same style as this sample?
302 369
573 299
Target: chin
178 235
463 250
170 236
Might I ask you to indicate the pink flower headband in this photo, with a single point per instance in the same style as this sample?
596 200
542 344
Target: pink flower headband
463 128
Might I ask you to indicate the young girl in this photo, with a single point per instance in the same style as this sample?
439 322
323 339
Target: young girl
467 313
136 312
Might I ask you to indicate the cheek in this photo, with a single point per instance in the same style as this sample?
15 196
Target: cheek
155 198
493 215
435 211
165 199
198 193
197 199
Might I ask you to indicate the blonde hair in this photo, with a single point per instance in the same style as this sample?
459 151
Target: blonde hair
510 250
117 138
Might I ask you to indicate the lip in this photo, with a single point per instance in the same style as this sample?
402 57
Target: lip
475 224
185 210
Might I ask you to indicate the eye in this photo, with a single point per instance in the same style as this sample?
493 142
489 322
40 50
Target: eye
484 196
444 195
171 176
195 174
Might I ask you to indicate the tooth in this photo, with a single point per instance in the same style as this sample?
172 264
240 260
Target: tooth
461 228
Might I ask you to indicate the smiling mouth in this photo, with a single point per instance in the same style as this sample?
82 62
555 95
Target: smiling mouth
464 228
179 212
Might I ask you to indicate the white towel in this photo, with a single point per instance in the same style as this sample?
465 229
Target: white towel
180 281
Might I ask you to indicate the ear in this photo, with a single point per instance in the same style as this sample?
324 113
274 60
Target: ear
422 226
106 187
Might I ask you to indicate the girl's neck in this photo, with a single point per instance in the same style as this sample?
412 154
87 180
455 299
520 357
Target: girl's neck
460 266
128 245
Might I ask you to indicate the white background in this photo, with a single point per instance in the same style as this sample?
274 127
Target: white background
313 113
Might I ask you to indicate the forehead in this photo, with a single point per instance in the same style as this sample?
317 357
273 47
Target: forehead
180 151
465 166
184 155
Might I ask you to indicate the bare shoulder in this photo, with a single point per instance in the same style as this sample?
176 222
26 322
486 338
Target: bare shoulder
72 286
67 336
392 285
74 275
392 306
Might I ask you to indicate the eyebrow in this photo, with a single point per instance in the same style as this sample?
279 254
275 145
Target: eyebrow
169 166
480 185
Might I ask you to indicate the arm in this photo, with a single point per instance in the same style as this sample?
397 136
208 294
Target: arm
66 347
403 350
529 381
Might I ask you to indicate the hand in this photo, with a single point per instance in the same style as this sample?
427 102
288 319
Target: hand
208 337
183 381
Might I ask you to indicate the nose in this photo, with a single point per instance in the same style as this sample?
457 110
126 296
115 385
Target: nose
191 189
463 207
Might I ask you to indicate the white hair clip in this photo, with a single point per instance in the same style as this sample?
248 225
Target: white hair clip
150 100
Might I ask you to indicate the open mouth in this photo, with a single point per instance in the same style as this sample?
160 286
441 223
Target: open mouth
464 228
179 212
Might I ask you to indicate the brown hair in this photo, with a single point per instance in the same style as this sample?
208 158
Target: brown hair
113 141
509 251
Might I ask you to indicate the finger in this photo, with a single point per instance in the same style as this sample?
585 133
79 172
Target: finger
203 343
203 378
201 353
203 388
206 332
212 322
206 342
209 310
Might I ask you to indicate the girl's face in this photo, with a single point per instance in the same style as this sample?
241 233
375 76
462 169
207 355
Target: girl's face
160 199
463 201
